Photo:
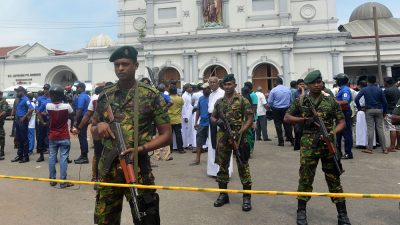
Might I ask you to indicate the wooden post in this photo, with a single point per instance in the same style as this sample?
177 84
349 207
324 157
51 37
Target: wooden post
378 50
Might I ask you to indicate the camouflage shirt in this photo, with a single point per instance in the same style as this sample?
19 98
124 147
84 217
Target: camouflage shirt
3 108
326 107
235 109
151 109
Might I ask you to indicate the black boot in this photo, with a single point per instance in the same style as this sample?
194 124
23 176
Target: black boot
2 152
343 219
41 158
24 159
246 206
223 198
302 213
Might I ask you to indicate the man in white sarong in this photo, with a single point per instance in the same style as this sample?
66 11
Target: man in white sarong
216 93
187 119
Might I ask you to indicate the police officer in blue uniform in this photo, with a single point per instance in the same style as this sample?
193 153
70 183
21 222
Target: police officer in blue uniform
344 98
23 113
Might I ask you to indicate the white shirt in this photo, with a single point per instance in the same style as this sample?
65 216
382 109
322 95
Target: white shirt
187 105
261 111
214 96
91 103
195 97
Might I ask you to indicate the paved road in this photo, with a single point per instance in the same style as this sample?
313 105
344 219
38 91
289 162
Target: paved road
272 167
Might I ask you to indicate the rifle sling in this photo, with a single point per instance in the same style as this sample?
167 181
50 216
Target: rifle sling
136 128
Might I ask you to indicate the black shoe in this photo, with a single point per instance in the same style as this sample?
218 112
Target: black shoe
246 206
302 213
24 159
347 156
268 139
40 159
343 219
16 159
1 158
222 199
281 144
52 184
82 161
69 161
79 158
65 185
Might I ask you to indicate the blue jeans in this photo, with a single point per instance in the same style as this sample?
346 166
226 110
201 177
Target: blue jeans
64 146
31 137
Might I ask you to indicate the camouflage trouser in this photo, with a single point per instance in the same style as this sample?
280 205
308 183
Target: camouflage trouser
109 199
224 157
309 158
2 135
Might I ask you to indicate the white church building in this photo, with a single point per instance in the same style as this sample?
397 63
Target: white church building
188 41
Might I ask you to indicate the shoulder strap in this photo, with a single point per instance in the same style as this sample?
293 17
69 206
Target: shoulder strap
136 129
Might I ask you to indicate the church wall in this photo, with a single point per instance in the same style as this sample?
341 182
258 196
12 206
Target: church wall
36 71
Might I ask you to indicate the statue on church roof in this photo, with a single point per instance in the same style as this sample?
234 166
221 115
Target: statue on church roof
212 13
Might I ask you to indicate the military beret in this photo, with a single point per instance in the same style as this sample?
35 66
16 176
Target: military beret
228 77
312 76
127 52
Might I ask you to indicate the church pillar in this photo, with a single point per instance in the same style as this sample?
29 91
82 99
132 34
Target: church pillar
186 69
243 66
286 66
195 67
150 16
335 64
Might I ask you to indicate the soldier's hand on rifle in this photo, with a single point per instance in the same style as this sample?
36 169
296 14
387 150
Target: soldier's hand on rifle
221 124
104 131
309 121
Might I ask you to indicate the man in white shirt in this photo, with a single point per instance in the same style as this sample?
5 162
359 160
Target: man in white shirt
197 93
216 93
262 120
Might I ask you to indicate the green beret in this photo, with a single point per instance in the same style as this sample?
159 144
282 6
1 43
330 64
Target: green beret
228 77
127 52
312 76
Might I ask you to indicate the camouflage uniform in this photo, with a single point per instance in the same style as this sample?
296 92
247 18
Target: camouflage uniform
235 110
151 109
311 149
3 108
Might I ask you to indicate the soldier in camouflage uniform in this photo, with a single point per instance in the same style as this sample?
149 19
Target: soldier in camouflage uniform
3 111
151 110
237 110
312 149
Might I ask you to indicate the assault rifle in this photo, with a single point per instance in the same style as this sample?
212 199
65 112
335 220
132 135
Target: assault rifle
325 138
232 140
126 163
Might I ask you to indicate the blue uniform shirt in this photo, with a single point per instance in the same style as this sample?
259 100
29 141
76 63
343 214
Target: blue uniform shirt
40 100
202 105
344 94
42 107
83 102
23 105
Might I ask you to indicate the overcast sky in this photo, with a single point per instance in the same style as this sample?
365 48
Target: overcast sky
68 25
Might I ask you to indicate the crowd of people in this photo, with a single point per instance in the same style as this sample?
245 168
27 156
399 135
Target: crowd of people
208 117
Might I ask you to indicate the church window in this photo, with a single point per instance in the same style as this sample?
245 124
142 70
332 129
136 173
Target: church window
167 13
263 5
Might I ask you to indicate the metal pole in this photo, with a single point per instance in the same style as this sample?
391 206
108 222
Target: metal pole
378 50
